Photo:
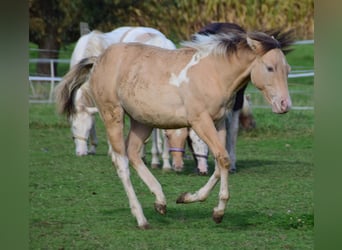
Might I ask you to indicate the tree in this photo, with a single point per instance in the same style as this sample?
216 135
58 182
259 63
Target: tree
52 23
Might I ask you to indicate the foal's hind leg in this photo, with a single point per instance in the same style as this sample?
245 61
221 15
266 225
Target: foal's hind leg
136 137
216 142
113 118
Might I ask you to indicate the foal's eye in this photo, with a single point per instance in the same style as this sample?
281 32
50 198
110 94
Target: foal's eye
270 69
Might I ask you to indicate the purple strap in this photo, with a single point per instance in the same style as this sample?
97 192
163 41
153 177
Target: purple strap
176 150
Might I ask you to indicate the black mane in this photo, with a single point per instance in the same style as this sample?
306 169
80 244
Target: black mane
274 39
215 28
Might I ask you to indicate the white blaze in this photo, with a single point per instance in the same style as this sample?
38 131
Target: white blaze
177 80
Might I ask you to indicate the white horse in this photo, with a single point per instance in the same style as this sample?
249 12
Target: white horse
93 44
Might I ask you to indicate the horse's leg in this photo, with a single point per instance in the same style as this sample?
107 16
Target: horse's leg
154 150
166 153
136 137
200 151
232 133
215 139
93 139
113 118
159 141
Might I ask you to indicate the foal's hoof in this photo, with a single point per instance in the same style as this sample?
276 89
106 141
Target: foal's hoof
217 217
181 198
160 208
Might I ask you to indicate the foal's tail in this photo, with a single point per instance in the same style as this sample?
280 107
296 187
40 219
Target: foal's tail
70 83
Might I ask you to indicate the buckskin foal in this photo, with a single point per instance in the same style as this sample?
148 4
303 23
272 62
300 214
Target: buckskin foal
188 87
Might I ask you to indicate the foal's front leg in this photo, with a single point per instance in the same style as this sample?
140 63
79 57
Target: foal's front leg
206 130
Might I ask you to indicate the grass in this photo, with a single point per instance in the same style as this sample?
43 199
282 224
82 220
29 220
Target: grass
79 203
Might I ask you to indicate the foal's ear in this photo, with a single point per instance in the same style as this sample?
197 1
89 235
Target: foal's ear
254 45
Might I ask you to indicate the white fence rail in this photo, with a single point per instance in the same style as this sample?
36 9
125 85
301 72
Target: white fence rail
52 79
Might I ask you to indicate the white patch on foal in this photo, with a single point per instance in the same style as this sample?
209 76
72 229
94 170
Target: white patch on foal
182 77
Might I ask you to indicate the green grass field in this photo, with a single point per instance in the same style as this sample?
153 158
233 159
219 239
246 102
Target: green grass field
79 203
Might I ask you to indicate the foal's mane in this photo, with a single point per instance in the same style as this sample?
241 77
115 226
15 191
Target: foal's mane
272 39
227 38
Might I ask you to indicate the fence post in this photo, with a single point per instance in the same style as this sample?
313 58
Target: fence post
52 82
84 28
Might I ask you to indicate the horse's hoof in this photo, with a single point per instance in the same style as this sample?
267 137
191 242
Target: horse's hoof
167 169
218 217
232 170
155 166
160 208
181 198
144 226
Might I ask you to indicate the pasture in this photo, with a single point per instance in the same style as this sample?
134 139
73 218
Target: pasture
80 203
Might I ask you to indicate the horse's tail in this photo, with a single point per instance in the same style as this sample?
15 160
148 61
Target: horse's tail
70 83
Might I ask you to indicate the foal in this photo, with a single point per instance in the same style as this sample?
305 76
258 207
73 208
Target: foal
188 87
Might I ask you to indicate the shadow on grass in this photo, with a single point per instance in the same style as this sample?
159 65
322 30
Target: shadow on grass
186 216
